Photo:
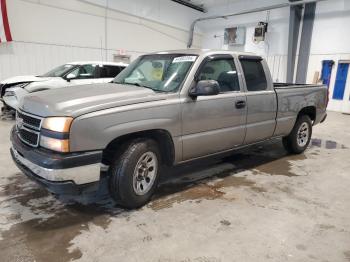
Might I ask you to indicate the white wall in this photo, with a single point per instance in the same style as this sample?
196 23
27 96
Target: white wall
330 41
52 32
47 33
274 49
163 11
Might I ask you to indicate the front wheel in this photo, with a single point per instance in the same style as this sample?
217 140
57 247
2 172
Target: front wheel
298 140
134 173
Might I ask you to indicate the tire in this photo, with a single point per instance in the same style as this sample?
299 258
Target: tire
130 186
300 136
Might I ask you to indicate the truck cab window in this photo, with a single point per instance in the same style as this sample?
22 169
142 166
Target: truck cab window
254 75
223 71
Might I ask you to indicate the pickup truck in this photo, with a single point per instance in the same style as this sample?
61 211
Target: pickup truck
164 109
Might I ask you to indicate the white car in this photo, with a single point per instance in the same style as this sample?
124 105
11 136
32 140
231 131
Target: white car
70 74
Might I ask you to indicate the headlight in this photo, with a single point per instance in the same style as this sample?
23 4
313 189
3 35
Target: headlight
55 144
55 133
58 124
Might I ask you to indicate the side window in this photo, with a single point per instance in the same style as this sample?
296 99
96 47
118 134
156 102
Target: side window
254 74
222 70
108 71
84 72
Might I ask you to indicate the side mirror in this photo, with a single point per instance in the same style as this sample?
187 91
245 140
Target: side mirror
205 88
70 77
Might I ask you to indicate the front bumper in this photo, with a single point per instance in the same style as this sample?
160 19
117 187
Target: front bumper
70 174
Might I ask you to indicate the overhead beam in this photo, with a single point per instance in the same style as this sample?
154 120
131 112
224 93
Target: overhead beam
190 5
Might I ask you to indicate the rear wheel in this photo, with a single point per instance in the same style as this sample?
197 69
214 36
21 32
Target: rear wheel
134 173
298 140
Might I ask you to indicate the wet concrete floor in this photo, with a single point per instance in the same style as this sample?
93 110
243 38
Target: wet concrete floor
258 204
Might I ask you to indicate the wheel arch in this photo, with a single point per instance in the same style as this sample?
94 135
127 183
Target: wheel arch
310 111
161 136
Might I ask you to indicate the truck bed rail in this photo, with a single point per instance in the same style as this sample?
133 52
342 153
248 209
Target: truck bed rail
293 85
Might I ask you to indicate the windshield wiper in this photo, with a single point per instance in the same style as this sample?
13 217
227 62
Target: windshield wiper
122 83
155 90
140 85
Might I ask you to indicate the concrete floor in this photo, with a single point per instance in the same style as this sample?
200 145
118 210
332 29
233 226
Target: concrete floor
257 205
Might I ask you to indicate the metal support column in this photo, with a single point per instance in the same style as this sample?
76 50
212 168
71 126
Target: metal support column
305 42
294 25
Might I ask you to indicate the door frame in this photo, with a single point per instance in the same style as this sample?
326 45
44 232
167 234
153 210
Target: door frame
232 94
269 92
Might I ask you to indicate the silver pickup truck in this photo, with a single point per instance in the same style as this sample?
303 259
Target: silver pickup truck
164 109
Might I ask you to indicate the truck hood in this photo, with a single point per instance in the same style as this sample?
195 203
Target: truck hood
22 79
83 99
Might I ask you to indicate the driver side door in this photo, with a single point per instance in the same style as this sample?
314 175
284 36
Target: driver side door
211 124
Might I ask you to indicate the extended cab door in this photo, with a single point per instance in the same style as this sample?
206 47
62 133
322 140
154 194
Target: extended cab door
214 123
261 99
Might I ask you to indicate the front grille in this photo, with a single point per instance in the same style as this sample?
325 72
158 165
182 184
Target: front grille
28 136
28 127
29 120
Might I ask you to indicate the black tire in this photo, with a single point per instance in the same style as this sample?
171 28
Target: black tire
290 142
121 173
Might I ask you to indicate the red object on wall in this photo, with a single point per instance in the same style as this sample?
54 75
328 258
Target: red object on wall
5 32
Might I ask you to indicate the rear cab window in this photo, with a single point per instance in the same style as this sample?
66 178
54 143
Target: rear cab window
254 74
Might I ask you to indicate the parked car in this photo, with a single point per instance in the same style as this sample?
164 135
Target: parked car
71 74
164 109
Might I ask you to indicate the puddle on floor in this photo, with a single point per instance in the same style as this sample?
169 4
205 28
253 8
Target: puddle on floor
198 192
269 159
198 181
206 182
170 194
60 223
327 144
44 226
279 167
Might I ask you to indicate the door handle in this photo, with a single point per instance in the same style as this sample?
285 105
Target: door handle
240 104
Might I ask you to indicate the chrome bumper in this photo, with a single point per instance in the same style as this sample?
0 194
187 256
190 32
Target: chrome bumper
78 175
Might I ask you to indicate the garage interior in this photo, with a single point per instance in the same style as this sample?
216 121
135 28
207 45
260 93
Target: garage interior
255 204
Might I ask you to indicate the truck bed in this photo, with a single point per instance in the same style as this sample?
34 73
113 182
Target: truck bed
292 97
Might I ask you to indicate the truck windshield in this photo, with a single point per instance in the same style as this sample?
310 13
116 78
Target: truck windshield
159 72
59 71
